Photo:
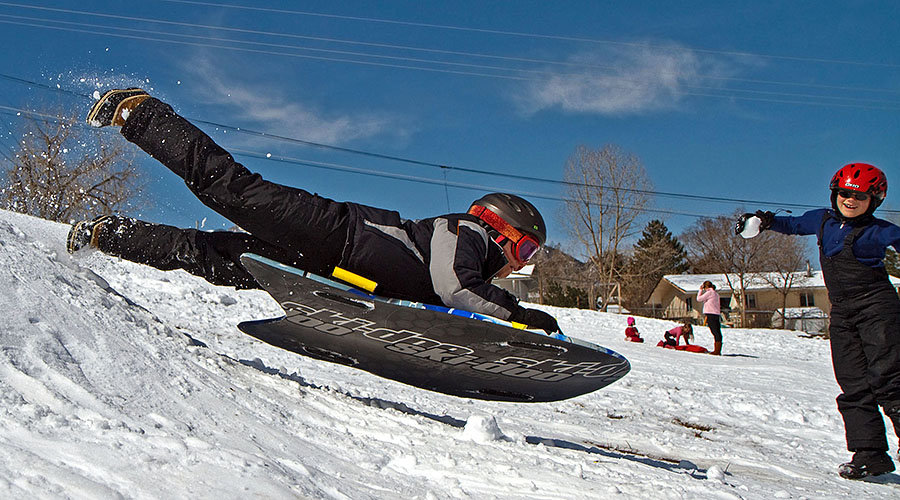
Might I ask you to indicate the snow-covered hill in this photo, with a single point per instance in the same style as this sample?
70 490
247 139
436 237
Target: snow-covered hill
121 381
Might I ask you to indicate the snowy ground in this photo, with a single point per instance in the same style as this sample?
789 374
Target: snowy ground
160 396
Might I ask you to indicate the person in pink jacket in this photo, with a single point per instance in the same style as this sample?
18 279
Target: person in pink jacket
673 337
711 308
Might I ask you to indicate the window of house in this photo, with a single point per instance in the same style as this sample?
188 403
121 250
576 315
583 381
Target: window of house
807 299
751 301
725 303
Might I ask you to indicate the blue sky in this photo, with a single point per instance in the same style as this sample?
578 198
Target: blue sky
759 100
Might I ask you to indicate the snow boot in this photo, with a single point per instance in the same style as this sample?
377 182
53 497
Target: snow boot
866 463
114 107
84 234
892 410
717 349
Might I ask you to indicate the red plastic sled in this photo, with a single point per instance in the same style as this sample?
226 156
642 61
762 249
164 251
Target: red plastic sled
692 348
688 348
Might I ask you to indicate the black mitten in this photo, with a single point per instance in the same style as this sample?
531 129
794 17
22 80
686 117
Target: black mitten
534 319
766 217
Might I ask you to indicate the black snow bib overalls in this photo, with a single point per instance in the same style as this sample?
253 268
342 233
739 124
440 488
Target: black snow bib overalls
865 341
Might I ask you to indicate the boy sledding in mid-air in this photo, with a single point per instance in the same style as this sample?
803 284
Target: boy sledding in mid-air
446 260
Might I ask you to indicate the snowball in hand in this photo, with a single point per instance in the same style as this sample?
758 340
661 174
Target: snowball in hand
751 227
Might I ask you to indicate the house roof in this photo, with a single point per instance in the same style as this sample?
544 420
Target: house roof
754 281
524 273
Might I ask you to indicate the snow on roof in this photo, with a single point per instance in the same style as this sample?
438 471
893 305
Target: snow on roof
525 272
754 281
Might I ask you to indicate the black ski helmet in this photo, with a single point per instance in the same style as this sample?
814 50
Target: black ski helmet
517 212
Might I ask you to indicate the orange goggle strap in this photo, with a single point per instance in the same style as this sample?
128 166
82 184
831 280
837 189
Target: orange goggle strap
497 223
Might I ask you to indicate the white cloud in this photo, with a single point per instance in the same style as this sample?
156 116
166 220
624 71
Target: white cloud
631 79
276 110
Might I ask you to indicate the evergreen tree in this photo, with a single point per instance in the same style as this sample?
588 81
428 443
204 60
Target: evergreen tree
656 254
892 262
569 296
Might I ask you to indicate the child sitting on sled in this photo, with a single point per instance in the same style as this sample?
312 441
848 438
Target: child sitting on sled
631 332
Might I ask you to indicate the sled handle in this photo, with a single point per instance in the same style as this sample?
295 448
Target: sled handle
354 279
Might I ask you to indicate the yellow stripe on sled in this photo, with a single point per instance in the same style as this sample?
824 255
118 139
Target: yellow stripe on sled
354 279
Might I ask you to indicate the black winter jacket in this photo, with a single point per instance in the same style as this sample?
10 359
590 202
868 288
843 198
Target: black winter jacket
442 260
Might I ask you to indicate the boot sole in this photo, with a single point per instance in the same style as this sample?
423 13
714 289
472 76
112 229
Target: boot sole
103 101
70 240
885 469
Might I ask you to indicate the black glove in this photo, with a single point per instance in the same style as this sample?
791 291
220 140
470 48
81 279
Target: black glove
534 319
767 219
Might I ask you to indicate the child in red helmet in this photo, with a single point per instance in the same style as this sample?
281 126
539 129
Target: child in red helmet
865 309
631 332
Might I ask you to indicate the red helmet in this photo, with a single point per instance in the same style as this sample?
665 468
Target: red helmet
861 177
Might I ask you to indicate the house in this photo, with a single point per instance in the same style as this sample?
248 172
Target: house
675 296
806 319
518 283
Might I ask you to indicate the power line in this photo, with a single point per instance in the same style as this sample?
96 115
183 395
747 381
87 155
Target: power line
416 60
487 75
524 34
373 173
443 167
495 174
268 52
725 92
426 180
12 149
264 44
382 45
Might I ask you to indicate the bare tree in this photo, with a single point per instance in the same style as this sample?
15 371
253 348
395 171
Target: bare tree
713 248
556 268
607 193
62 173
783 266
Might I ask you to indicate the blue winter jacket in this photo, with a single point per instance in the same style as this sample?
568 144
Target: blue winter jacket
869 248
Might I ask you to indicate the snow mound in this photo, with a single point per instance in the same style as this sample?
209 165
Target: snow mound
121 381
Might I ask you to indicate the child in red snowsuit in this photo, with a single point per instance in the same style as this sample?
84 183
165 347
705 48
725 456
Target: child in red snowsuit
631 332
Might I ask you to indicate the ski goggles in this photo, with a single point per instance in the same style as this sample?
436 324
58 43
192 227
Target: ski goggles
525 246
856 195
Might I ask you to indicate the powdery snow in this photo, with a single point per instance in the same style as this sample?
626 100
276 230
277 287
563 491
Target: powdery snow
121 381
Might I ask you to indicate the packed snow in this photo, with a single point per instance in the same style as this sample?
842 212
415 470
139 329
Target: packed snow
121 381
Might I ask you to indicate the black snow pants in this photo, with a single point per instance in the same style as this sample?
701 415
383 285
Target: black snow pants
288 225
865 345
212 255
714 322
